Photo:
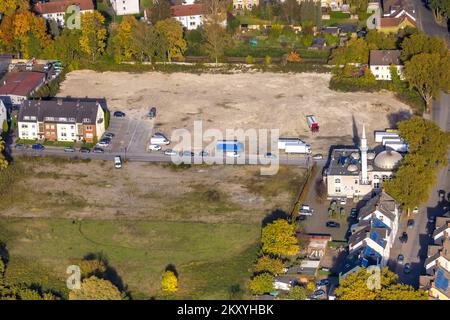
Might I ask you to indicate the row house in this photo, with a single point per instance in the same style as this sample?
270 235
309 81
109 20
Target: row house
60 120
17 87
437 263
373 236
56 10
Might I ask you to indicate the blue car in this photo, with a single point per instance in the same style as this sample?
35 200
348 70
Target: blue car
37 146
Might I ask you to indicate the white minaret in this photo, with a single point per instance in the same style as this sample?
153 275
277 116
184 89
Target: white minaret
364 178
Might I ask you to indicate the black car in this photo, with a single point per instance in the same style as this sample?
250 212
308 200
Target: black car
98 150
404 237
332 224
400 258
410 223
109 135
152 112
85 150
301 217
353 213
322 283
407 268
119 114
21 146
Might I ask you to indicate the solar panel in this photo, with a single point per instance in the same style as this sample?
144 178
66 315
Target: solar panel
374 236
439 277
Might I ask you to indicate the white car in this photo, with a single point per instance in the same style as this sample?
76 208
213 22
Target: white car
343 201
233 154
103 144
117 162
154 147
170 152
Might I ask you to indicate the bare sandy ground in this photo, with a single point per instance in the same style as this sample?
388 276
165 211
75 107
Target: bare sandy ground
242 101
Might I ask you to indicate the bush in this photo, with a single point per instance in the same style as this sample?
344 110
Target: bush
262 283
267 60
268 264
169 282
249 60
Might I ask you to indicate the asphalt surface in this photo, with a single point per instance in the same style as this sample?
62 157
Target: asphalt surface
415 250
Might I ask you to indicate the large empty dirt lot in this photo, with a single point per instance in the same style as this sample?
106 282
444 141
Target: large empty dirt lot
243 100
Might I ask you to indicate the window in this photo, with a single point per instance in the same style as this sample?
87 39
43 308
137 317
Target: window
24 126
86 120
26 118
32 118
356 181
71 119
337 190
376 185
63 134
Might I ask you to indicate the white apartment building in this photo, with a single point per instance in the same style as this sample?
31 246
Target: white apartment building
125 7
191 16
380 62
56 10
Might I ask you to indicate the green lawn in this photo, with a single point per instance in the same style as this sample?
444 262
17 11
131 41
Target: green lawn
213 260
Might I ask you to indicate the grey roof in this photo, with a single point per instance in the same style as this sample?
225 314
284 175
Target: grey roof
286 279
341 159
359 236
385 57
441 228
381 202
301 270
73 111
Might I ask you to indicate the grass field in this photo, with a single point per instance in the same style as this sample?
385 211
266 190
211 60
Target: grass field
212 260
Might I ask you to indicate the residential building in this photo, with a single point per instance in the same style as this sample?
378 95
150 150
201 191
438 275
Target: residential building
373 236
191 16
125 7
19 86
396 15
61 120
3 113
244 4
380 62
56 10
356 173
284 283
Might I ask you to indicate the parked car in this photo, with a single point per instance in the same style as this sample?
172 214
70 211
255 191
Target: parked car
400 259
233 154
85 150
410 223
21 146
416 210
104 142
154 147
203 153
305 210
432 219
170 152
152 112
37 146
159 139
322 283
441 195
404 237
119 114
301 217
109 135
354 213
407 268
98 150
187 154
319 294
117 162
332 224
343 201
317 157
69 149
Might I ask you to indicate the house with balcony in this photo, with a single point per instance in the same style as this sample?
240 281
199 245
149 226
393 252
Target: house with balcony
380 62
60 120
56 10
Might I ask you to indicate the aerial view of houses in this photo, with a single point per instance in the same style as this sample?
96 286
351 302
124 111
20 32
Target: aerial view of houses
224 150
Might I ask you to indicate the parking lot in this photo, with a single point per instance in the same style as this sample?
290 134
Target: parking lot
130 134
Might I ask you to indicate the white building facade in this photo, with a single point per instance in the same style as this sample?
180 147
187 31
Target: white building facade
380 63
125 7
57 10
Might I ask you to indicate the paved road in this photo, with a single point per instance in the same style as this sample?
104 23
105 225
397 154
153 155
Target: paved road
415 250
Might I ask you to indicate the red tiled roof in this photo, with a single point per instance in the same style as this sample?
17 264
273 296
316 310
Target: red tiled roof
61 6
21 83
187 10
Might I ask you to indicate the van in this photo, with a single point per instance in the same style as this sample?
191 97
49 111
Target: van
156 139
117 162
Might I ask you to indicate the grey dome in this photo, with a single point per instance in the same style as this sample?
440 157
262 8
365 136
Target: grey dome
352 168
370 155
387 159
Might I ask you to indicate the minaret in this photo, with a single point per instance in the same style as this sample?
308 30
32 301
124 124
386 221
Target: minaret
364 178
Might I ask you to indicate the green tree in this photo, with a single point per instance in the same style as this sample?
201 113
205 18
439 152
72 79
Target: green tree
93 34
261 283
216 40
278 238
5 126
362 285
3 161
173 33
123 41
298 293
169 282
160 10
428 73
354 51
419 43
268 264
94 288
441 9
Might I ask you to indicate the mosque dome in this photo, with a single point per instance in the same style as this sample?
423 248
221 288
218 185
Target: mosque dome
355 155
352 168
387 159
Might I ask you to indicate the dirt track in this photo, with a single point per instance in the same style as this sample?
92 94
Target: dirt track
243 100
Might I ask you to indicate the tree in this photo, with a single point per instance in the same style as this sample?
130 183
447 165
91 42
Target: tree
93 34
441 9
5 126
216 39
380 40
94 288
419 43
354 51
173 33
169 282
148 42
66 47
268 264
123 41
396 81
428 73
261 283
160 11
360 285
298 293
215 10
3 161
9 7
278 238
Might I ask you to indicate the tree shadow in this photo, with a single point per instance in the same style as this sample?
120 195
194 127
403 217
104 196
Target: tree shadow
171 267
274 215
394 118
